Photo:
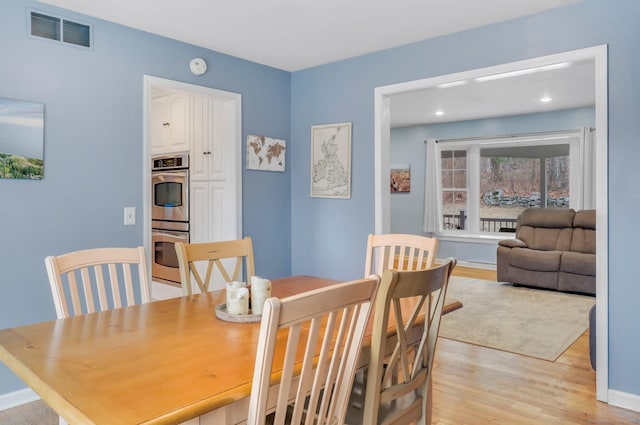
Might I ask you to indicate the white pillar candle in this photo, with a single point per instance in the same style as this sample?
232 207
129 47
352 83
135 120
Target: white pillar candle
237 298
260 291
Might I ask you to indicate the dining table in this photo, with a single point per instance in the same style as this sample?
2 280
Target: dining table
169 361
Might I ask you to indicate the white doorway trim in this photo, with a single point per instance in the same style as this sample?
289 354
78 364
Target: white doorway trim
382 132
235 162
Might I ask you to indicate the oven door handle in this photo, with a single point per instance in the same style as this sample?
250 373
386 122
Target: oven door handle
172 174
176 235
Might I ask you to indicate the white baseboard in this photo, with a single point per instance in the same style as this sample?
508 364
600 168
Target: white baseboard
27 395
471 264
624 400
17 398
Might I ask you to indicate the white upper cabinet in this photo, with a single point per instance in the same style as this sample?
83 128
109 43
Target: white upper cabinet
171 125
213 130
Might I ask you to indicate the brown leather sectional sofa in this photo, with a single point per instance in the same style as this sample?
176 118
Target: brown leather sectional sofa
554 248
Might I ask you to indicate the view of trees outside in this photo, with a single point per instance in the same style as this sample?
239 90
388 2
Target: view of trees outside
454 181
508 185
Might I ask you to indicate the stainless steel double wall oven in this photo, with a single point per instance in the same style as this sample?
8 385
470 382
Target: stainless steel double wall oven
169 214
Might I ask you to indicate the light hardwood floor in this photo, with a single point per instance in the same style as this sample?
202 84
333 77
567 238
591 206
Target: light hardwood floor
480 386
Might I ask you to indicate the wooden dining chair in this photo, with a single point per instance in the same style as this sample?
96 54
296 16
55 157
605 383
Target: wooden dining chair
78 280
398 382
191 255
399 252
310 344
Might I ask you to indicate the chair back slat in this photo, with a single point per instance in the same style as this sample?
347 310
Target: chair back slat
399 252
193 256
79 277
102 290
323 330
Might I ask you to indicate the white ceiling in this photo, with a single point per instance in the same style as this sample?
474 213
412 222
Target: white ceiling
566 88
297 34
292 35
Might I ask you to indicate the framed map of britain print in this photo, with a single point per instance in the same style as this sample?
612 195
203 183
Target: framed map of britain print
331 161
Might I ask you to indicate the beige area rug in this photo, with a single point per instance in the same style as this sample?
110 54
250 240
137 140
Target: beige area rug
532 322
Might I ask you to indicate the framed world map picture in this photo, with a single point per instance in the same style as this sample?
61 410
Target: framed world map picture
265 153
331 161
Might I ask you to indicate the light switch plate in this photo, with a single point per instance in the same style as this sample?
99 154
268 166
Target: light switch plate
129 216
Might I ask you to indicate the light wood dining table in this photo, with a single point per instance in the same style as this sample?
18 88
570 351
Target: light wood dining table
165 362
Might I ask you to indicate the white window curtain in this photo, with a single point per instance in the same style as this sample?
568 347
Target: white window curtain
432 205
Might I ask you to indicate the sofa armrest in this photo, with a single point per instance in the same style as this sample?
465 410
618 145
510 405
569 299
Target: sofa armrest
512 243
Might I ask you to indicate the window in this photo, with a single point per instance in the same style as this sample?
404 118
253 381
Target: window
454 188
59 29
486 183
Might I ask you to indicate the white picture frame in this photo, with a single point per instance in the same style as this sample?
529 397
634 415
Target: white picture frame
266 153
331 161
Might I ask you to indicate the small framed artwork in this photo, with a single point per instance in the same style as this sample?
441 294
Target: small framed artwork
400 178
265 153
331 161
21 139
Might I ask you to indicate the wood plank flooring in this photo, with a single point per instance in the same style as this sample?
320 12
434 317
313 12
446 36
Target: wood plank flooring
480 386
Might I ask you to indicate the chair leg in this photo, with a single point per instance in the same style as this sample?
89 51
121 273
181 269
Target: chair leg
427 405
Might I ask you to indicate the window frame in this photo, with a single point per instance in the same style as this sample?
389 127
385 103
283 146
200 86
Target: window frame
473 147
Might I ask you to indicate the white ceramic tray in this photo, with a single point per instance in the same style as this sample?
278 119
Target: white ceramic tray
221 313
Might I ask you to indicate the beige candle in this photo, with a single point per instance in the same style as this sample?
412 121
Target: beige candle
260 291
237 298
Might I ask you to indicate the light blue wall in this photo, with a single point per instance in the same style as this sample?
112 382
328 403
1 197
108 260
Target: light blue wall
93 151
94 128
407 147
329 236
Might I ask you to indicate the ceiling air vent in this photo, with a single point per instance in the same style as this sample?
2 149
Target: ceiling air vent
60 29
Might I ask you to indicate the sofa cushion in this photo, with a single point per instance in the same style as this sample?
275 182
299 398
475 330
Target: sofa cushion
585 219
547 217
546 239
583 240
578 263
531 259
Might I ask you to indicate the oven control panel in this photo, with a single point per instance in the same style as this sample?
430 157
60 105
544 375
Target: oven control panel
170 162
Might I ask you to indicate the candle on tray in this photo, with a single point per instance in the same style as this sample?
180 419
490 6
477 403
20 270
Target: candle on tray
260 291
237 298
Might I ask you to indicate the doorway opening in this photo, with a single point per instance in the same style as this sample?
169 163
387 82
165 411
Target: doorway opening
382 142
211 131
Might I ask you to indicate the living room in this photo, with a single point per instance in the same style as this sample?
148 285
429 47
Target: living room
93 124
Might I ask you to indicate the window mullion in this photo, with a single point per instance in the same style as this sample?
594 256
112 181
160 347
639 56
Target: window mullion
473 178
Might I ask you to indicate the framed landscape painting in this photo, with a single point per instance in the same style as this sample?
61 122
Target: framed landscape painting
21 139
400 178
331 161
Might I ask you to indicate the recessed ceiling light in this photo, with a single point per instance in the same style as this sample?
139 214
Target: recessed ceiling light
545 99
438 113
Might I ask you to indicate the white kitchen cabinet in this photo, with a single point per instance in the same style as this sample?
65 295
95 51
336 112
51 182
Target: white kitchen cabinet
214 170
213 139
171 123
